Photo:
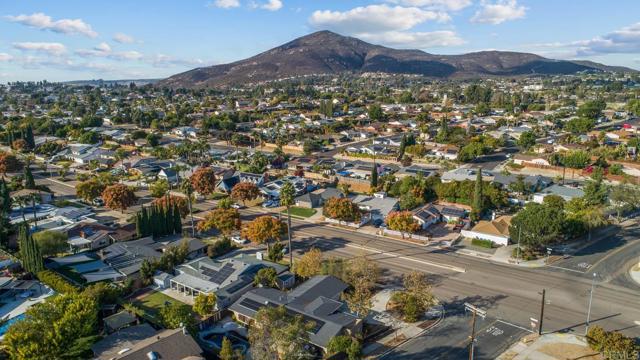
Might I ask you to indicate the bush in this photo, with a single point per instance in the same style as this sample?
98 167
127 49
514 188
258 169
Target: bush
56 282
482 243
220 247
612 344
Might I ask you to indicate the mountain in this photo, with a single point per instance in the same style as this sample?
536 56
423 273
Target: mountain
325 52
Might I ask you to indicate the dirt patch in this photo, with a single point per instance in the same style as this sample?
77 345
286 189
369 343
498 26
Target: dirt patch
569 352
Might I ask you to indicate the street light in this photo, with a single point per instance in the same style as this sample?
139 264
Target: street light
593 282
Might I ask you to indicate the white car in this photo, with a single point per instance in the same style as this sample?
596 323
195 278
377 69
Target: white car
239 240
236 206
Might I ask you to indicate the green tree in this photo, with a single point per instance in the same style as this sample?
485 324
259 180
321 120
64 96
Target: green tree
176 314
226 350
267 276
287 198
277 335
374 176
375 112
53 328
592 109
595 191
51 242
29 182
537 225
30 254
204 304
527 140
159 188
478 197
187 188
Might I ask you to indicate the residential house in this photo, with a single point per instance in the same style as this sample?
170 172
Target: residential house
538 159
462 174
228 278
317 301
566 192
377 206
317 198
449 152
532 182
496 230
431 214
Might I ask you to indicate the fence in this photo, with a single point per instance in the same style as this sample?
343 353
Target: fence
426 239
349 224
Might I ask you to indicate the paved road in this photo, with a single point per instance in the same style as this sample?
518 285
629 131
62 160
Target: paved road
450 339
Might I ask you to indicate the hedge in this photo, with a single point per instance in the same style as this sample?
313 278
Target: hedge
482 243
56 282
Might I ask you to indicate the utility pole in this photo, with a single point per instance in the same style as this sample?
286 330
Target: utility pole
544 292
475 311
593 282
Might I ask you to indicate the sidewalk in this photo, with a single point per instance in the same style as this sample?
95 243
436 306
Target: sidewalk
550 347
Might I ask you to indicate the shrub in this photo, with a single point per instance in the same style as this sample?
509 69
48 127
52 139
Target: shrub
56 282
612 344
482 243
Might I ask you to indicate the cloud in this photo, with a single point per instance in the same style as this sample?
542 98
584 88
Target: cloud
5 57
162 60
499 12
374 19
123 38
389 25
104 50
224 4
452 5
63 26
51 48
415 40
272 5
623 41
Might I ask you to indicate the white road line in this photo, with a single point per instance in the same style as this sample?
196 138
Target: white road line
514 325
376 251
561 268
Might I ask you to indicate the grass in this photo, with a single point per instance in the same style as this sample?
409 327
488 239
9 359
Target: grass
217 196
300 212
152 304
482 243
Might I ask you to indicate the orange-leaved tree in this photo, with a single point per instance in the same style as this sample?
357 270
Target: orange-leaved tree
342 209
223 220
203 181
264 230
402 221
245 191
118 197
171 200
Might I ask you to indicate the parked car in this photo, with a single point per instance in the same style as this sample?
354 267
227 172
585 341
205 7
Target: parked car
377 222
238 240
237 206
98 202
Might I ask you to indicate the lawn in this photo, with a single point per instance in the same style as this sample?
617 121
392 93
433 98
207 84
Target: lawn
300 212
152 304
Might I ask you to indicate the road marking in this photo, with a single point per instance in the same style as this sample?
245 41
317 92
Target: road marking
514 325
396 256
562 268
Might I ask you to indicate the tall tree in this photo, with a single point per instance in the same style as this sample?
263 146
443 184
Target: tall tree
29 181
203 181
30 255
478 198
309 264
374 176
226 351
276 335
287 198
187 188
204 304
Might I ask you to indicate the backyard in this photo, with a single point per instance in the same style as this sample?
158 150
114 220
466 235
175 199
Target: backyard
152 304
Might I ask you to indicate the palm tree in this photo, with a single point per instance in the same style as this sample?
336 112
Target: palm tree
287 198
187 189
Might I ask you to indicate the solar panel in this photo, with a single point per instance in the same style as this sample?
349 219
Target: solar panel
251 304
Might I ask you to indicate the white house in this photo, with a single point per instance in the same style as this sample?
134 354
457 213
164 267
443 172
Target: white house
496 231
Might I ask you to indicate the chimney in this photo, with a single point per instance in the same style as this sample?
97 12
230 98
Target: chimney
82 234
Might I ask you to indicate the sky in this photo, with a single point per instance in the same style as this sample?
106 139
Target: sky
141 39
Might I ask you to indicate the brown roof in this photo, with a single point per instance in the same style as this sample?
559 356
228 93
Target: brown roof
499 226
168 344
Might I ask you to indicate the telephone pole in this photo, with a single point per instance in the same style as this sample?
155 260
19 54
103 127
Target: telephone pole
544 291
475 311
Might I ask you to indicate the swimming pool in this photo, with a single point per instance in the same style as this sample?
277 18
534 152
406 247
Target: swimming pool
5 326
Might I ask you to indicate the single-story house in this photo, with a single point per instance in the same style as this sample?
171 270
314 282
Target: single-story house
565 192
431 214
317 300
377 206
496 231
317 198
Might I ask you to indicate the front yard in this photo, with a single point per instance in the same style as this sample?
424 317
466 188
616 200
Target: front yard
300 212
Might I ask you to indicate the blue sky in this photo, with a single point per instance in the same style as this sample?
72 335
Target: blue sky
118 39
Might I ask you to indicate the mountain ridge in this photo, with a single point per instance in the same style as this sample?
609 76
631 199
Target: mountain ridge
325 52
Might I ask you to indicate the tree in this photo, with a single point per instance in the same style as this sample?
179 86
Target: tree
276 335
287 198
90 189
245 191
309 264
478 199
187 188
537 225
170 201
359 299
375 112
175 315
29 181
527 140
51 242
159 188
226 350
595 191
225 203
342 209
402 221
224 220
276 252
9 163
416 284
147 270
267 276
118 197
374 176
30 255
344 344
53 328
624 197
345 189
592 109
264 230
581 125
554 201
203 181
204 304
